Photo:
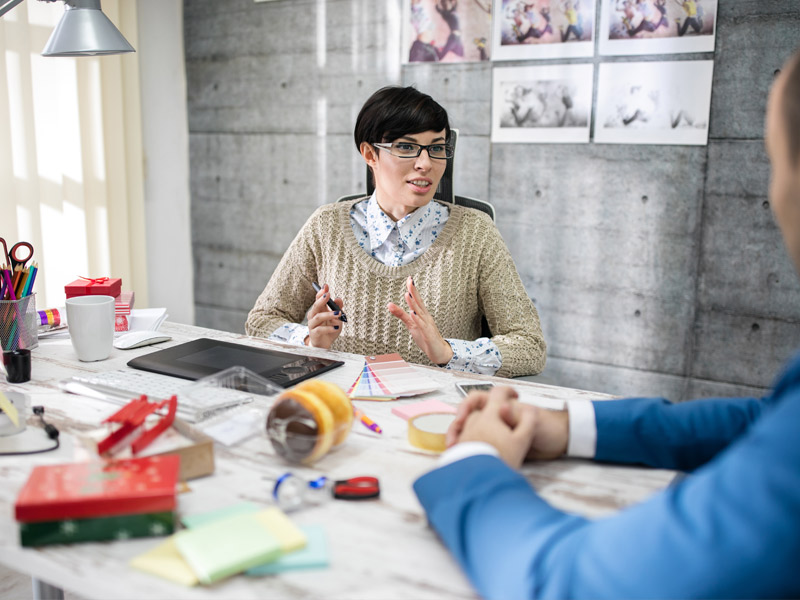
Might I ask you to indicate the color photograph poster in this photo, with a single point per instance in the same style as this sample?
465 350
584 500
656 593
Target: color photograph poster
632 27
538 29
446 30
653 102
548 104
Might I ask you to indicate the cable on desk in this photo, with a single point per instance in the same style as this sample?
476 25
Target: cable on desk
49 429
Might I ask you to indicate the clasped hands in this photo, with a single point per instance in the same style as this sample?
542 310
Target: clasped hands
518 431
324 325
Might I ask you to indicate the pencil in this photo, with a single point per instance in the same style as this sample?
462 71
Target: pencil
15 278
31 278
22 282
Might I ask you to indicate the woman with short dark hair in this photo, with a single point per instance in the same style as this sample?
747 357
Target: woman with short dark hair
415 276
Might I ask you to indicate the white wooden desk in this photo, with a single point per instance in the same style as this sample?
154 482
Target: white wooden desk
378 549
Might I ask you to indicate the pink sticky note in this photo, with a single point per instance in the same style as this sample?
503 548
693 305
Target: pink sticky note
407 411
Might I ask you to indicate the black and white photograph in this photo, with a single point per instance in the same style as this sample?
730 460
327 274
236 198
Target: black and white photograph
548 104
654 102
539 29
634 27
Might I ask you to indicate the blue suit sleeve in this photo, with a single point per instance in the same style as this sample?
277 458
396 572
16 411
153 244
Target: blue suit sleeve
655 432
729 530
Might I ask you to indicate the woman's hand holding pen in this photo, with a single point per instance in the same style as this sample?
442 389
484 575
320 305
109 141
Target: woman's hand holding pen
422 327
324 324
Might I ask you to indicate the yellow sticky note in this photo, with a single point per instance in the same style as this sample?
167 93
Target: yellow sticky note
165 561
289 536
9 409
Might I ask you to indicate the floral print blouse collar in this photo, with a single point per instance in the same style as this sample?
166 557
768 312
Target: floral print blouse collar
417 229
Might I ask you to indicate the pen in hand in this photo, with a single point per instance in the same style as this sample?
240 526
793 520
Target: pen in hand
331 304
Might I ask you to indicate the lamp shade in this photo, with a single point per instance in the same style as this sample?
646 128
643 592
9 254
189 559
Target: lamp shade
85 30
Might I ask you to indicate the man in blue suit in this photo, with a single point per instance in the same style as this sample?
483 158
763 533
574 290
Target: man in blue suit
730 529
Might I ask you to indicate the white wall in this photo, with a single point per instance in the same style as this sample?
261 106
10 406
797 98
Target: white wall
165 138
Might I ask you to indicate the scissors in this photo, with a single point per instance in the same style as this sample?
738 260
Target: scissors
13 258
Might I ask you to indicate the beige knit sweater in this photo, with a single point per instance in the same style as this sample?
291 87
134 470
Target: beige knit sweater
466 273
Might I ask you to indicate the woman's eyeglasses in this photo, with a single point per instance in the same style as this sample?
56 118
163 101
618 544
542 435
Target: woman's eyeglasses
409 150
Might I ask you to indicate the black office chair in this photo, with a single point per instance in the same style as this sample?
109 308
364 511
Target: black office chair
444 193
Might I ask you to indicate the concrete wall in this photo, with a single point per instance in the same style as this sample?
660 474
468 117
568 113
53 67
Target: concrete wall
656 269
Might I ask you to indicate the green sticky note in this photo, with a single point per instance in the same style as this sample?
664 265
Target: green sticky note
227 546
192 521
9 409
313 556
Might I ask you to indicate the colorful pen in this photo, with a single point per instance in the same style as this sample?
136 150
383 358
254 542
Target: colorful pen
367 422
331 304
10 286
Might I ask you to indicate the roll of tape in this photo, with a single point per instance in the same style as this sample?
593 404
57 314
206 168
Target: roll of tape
428 431
15 402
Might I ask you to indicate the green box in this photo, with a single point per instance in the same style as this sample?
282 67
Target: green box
97 529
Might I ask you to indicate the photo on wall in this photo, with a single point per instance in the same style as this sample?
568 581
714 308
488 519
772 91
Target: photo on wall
446 30
653 102
538 29
633 27
549 104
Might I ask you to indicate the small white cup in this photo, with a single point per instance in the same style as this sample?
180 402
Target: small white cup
90 320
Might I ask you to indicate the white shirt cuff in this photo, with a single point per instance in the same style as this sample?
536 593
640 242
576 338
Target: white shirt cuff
465 450
291 333
582 429
480 356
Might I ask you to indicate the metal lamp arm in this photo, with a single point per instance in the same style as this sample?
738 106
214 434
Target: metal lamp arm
7 5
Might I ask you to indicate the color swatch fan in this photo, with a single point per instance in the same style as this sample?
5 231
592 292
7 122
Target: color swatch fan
387 377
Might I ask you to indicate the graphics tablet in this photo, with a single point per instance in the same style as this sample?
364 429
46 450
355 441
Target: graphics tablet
205 356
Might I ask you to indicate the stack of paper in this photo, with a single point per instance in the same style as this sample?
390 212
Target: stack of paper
147 319
236 539
387 377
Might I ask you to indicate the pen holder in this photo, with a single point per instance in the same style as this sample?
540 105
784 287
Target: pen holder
18 324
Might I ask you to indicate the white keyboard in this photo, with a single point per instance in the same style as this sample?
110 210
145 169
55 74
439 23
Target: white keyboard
195 403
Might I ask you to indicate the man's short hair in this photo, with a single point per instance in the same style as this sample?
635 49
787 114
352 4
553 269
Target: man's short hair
394 111
790 101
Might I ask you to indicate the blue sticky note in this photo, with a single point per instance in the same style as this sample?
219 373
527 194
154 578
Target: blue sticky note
313 556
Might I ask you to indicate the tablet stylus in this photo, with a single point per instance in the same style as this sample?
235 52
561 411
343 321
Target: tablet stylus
331 304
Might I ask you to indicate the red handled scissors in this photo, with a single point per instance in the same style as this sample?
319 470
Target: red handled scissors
12 258
356 488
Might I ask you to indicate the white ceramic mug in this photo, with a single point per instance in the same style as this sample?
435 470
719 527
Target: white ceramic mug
90 320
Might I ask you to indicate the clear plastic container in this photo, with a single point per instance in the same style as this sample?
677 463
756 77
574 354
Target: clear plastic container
216 393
